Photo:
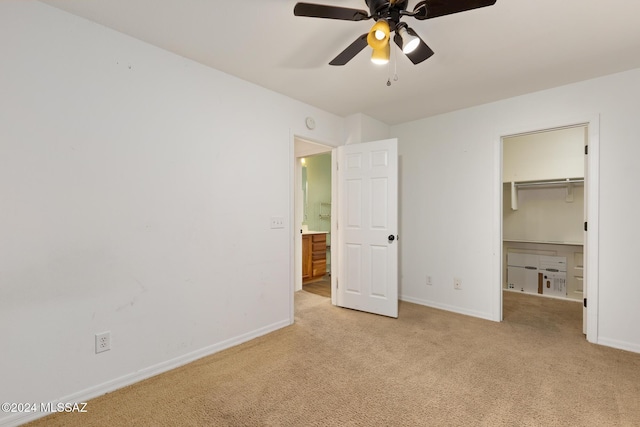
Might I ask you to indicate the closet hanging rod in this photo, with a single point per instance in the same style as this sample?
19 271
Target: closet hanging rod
553 182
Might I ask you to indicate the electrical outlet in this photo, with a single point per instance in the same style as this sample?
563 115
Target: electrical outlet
277 222
429 281
103 342
457 283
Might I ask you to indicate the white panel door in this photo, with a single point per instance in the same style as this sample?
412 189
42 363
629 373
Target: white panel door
368 227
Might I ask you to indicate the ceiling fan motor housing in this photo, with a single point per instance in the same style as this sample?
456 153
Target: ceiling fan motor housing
390 11
376 6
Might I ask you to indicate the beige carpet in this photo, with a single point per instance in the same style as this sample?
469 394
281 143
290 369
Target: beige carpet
338 367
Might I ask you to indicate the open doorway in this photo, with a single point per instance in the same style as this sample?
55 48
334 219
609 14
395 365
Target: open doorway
364 255
561 174
316 224
312 225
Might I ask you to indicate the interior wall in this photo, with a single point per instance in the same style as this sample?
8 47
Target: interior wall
448 215
319 196
552 154
544 215
137 193
362 128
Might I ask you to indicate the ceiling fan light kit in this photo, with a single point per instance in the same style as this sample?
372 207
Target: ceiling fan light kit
388 15
409 42
381 56
378 39
378 36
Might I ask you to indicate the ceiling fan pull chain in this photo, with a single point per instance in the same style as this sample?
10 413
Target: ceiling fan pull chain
395 66
389 69
394 59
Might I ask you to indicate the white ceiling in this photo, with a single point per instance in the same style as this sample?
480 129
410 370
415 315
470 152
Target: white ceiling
483 55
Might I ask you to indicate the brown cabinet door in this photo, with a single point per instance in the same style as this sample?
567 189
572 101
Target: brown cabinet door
319 255
306 257
319 268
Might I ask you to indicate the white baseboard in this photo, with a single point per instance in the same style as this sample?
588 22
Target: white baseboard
446 307
126 380
620 345
514 291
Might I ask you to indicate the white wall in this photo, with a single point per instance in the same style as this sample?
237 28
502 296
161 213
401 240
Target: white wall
362 128
137 189
544 215
556 154
319 185
449 165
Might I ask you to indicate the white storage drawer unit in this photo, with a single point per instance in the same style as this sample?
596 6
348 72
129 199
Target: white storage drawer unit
522 272
554 275
537 274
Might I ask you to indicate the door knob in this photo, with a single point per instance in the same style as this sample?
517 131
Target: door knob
391 237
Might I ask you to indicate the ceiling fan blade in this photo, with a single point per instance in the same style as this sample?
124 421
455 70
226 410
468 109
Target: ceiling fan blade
352 50
428 9
331 12
421 53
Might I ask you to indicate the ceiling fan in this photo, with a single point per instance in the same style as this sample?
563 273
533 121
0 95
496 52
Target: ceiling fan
388 15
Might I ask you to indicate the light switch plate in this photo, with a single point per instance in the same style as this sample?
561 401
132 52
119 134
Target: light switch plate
277 222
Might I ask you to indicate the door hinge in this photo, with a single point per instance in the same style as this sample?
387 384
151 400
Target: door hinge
337 284
585 303
586 150
337 166
585 226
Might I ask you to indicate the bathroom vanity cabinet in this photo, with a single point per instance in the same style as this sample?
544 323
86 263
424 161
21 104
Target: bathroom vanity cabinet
314 255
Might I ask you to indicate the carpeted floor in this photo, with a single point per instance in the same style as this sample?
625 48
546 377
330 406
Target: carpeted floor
338 367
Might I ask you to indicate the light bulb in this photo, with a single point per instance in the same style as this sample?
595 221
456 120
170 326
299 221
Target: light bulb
381 56
409 41
410 46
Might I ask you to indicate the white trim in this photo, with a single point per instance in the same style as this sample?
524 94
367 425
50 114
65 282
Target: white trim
592 265
143 374
292 224
592 210
496 276
622 345
446 307
335 239
516 291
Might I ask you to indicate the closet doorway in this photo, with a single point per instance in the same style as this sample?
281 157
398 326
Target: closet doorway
544 181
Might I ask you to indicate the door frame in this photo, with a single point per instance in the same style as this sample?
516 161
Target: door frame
295 251
591 213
